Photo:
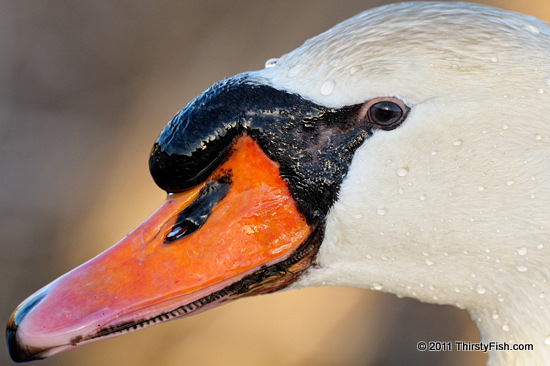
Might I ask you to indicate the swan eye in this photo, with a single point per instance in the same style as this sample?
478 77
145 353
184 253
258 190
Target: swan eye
384 113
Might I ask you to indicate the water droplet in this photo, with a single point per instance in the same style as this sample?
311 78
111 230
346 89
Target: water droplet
480 289
294 70
458 142
384 257
547 80
403 171
500 298
271 62
509 182
355 69
358 215
505 127
429 262
547 340
481 188
434 153
457 290
521 268
521 250
334 62
538 137
495 315
494 59
531 28
540 246
540 91
506 328
377 286
381 211
400 190
542 295
328 87
422 198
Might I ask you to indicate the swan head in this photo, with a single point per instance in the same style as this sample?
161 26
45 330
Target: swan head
463 176
403 150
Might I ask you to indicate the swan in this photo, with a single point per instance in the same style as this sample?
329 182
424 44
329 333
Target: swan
404 150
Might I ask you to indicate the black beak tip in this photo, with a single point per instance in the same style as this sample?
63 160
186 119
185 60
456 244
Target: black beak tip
19 352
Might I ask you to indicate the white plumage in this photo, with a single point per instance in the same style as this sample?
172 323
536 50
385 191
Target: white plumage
452 207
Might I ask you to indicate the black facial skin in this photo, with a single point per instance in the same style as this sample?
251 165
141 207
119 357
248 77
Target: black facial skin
314 145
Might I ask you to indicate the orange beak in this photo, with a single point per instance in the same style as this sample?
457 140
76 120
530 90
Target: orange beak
236 234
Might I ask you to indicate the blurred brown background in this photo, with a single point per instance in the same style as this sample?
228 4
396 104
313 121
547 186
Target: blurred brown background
85 87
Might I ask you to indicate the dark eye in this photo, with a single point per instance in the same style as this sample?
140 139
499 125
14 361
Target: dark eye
384 113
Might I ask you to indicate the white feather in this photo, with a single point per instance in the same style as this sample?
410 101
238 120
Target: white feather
454 206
